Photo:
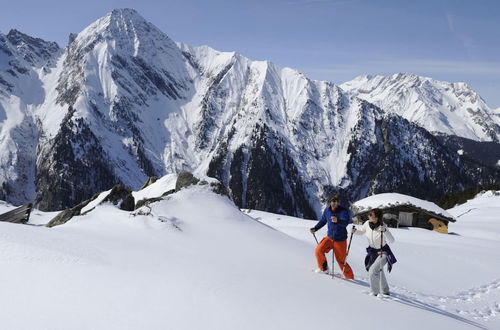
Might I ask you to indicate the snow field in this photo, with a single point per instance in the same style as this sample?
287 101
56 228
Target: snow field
197 262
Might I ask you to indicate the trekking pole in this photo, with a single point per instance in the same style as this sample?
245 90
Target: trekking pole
348 248
315 238
333 260
381 245
381 254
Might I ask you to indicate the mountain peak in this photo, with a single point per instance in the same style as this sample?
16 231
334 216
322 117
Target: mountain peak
405 75
126 12
125 24
35 51
19 39
126 16
127 32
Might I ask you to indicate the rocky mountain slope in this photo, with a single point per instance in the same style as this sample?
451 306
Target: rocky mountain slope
24 61
438 106
123 102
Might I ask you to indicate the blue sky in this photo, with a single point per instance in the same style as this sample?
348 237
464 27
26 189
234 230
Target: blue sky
335 40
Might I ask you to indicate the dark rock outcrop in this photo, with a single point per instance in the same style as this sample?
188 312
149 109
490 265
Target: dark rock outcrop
119 195
122 197
66 215
185 179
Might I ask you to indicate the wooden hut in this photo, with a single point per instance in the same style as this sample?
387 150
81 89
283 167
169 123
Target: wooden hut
404 211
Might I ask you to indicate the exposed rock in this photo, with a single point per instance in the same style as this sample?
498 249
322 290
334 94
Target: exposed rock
264 176
66 215
185 179
148 201
122 197
216 187
149 181
118 195
72 167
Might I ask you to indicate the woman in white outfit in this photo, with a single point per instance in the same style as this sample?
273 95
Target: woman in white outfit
379 253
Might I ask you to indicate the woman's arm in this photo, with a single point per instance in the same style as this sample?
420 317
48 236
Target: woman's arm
361 230
387 235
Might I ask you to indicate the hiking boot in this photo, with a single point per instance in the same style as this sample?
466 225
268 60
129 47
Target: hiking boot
319 271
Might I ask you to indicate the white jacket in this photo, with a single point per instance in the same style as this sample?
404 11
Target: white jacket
374 235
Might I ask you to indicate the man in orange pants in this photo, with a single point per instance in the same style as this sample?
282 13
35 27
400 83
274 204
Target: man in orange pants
336 217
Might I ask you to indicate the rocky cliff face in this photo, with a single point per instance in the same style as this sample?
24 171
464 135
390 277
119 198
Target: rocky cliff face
124 102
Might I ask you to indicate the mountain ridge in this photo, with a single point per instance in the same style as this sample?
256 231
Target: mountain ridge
124 102
435 105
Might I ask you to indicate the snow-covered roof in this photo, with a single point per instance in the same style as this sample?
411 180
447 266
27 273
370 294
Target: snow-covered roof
387 200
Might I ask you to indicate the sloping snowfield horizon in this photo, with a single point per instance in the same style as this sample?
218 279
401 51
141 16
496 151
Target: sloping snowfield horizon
198 262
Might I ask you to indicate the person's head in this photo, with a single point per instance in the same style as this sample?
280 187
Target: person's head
334 200
375 215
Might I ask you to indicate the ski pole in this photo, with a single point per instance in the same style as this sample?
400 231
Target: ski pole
315 238
381 254
333 259
348 248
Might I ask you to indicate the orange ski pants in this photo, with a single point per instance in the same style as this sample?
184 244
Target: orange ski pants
339 250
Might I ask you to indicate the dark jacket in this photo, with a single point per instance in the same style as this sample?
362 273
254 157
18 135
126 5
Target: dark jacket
336 231
372 255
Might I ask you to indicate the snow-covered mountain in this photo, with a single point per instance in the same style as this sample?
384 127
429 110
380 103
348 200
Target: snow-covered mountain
438 106
24 62
123 102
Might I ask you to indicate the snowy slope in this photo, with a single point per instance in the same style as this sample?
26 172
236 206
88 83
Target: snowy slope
455 273
438 106
198 262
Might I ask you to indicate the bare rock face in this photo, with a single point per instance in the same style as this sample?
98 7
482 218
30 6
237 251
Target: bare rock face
66 215
72 167
122 197
119 195
185 179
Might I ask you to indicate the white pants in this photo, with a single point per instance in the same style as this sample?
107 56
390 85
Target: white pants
378 282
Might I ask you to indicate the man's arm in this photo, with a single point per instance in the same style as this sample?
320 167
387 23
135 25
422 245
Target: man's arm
320 223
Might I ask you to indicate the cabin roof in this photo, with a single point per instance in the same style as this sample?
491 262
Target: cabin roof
391 200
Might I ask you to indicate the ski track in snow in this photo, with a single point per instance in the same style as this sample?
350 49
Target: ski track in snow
469 304
466 305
